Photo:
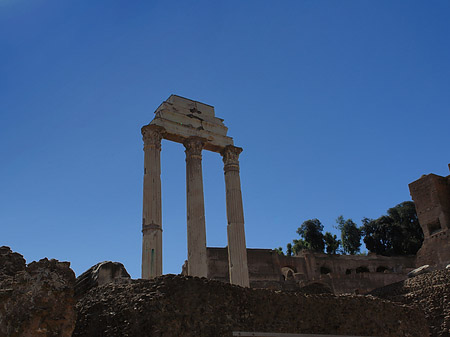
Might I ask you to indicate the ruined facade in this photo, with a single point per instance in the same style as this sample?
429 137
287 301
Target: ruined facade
195 125
340 273
431 196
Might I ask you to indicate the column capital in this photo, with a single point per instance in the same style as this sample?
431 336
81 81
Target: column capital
152 135
194 146
230 156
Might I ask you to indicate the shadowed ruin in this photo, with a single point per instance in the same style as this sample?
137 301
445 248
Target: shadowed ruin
431 195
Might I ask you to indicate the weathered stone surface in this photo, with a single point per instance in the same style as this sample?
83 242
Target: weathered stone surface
10 262
186 306
99 274
36 300
431 195
429 292
268 269
195 207
182 118
151 211
315 289
418 271
237 252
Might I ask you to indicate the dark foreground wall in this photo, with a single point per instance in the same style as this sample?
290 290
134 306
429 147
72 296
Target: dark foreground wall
185 306
429 292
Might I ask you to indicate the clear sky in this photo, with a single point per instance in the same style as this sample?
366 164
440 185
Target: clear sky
337 104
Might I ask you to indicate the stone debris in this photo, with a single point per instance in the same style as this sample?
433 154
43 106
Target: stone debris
429 292
35 300
102 273
189 306
421 270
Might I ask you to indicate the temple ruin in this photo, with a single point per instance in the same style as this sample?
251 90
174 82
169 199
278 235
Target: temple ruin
431 195
194 125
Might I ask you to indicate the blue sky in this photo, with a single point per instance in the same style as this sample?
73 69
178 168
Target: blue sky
337 104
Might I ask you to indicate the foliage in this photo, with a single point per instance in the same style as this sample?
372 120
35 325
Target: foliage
350 235
397 233
331 243
311 232
289 249
299 245
279 250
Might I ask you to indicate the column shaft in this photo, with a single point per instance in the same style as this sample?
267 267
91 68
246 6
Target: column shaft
151 212
237 250
196 231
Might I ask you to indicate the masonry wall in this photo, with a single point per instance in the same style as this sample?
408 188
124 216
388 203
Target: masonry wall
431 195
189 306
341 273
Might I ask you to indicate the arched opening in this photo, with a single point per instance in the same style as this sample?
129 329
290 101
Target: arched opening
325 270
348 272
362 269
288 273
381 269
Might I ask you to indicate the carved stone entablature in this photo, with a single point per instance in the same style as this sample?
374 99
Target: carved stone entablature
194 147
230 157
183 118
152 135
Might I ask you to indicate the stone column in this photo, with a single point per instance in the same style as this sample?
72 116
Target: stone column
237 251
151 212
196 232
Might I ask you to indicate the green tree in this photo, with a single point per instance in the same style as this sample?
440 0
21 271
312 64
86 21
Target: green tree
289 249
311 232
279 250
331 243
350 235
397 233
299 245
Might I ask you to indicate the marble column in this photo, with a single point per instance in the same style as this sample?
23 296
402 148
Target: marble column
196 232
151 212
237 251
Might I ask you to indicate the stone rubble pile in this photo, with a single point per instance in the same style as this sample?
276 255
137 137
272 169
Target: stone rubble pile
186 306
429 292
35 300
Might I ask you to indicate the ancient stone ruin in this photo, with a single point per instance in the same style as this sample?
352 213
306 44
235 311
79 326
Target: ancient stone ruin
38 300
343 274
431 195
195 126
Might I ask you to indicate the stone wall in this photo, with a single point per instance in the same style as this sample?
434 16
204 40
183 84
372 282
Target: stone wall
342 273
431 195
186 306
429 292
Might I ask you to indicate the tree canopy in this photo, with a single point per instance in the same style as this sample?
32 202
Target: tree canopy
397 233
350 235
311 232
331 243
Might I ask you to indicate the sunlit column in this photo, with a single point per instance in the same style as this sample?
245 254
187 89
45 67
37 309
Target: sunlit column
151 213
237 251
196 231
